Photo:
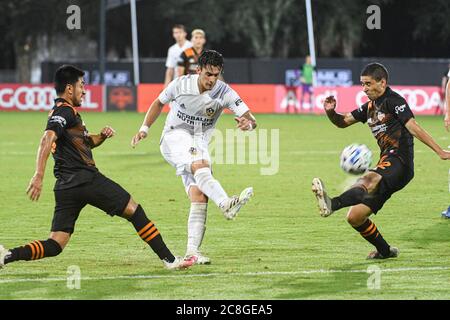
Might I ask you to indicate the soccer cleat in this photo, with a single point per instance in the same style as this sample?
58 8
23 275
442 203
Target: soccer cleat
180 263
324 201
3 253
446 213
200 258
393 253
230 208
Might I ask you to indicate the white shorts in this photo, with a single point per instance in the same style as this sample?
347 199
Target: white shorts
179 148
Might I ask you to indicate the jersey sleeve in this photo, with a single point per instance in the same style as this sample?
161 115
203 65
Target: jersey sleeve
233 102
401 110
168 94
60 119
360 114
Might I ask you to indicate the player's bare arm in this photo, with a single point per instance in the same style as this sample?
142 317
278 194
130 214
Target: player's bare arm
170 72
246 122
339 120
152 114
417 131
96 140
447 107
45 147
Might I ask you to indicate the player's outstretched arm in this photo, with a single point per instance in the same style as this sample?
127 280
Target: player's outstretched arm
150 117
97 139
246 122
417 131
339 120
45 147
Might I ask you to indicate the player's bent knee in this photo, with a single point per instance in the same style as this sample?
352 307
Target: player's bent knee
199 165
130 209
196 195
355 219
55 245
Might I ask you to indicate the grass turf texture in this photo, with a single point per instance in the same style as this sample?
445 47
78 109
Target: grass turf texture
278 247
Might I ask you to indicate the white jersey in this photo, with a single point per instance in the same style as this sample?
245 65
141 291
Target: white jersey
196 112
174 55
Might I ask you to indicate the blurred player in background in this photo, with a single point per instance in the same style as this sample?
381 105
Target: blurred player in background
446 213
393 125
196 103
78 181
444 82
174 52
307 83
188 61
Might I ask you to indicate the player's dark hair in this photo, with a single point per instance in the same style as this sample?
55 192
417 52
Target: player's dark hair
211 58
375 70
179 26
66 74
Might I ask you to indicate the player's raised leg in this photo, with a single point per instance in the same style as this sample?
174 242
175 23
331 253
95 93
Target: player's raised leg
212 188
368 183
358 218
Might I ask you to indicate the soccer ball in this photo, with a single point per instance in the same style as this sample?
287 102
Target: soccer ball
356 158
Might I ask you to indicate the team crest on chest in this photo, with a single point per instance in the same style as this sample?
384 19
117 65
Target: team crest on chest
380 116
210 112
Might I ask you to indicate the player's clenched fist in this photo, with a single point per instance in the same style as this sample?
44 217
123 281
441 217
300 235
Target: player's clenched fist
107 132
329 103
138 137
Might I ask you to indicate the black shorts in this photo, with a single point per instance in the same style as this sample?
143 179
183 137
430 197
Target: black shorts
395 176
101 192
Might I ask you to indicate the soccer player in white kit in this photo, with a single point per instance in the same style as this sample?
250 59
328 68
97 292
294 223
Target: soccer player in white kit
175 51
196 102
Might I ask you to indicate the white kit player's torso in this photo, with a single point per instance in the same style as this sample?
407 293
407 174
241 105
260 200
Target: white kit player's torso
192 118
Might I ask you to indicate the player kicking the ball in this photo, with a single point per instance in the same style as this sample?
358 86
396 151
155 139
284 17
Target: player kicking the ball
196 102
393 125
78 181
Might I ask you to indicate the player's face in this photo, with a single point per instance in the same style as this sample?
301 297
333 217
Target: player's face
178 34
208 76
372 88
198 41
77 92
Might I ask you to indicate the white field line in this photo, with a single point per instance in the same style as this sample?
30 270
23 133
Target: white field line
181 275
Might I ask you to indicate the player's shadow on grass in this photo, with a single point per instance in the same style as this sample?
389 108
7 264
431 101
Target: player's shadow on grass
324 286
438 232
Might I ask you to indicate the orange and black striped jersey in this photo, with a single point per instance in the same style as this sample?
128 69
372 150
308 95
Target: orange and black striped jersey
74 164
189 60
386 117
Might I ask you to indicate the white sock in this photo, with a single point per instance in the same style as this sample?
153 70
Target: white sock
196 226
210 186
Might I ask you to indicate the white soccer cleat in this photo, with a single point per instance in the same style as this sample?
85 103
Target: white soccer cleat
3 253
232 205
200 258
323 199
180 263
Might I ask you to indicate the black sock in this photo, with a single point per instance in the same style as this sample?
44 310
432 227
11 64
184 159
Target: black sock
35 250
369 231
150 234
349 198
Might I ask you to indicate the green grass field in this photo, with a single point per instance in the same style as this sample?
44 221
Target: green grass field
278 247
